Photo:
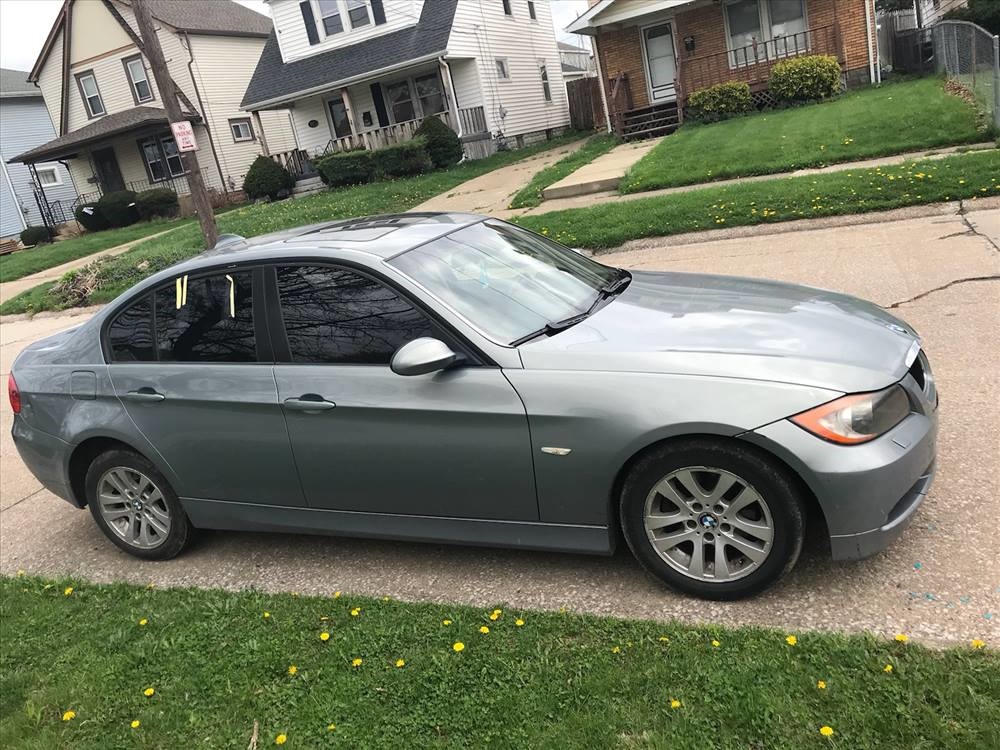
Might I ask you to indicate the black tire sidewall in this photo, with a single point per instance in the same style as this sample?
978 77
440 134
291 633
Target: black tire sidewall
767 478
180 526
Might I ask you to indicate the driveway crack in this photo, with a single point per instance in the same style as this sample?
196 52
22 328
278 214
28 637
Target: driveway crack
972 227
894 305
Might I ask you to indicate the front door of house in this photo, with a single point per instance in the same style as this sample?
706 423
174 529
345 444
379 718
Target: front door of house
661 65
109 176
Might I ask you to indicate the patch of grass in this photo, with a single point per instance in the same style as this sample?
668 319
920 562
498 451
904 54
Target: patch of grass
531 194
115 275
207 665
866 123
964 176
26 262
32 300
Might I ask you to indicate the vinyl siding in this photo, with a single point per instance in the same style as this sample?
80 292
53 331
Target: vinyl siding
293 40
468 87
482 31
25 123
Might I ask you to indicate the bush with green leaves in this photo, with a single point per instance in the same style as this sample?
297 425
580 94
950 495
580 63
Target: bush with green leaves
118 208
267 179
90 217
402 159
346 167
806 78
156 203
443 145
35 236
719 102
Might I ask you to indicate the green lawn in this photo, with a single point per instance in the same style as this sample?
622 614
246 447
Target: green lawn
118 274
207 665
26 262
531 194
861 124
963 176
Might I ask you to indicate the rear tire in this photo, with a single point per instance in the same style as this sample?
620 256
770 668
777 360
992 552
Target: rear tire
712 518
135 506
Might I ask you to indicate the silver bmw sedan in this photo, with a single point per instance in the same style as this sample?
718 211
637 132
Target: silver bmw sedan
455 378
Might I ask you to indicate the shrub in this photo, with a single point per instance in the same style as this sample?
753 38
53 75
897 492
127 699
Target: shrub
35 235
90 217
156 202
720 101
346 167
402 159
118 208
267 178
443 145
806 78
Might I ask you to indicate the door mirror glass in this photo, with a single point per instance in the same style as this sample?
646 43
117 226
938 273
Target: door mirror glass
422 356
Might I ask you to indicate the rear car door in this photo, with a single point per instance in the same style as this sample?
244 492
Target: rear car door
450 444
191 362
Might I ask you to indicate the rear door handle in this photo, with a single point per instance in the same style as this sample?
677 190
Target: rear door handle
309 402
146 394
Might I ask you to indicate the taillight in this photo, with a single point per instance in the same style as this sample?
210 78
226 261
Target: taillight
13 394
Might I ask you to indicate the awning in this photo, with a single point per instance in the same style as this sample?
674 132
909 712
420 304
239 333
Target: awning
66 146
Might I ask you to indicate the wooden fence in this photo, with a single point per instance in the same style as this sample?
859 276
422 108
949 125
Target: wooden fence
585 109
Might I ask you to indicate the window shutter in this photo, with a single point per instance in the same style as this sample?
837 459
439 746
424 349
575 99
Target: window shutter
307 15
378 11
379 101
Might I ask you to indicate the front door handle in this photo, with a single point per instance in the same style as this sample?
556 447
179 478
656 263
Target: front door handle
145 394
309 402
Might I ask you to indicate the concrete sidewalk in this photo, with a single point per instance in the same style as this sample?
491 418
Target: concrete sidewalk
603 174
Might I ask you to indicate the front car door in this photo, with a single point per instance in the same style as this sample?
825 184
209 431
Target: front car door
191 363
661 65
452 444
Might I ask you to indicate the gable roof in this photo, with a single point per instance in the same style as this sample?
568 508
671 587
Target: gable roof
275 82
212 17
613 11
14 84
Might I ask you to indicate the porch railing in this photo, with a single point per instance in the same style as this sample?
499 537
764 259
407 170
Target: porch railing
296 161
473 120
753 62
380 137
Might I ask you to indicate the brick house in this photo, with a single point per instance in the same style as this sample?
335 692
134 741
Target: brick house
653 53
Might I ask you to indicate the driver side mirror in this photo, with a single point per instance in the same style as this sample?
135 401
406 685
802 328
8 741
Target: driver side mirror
422 356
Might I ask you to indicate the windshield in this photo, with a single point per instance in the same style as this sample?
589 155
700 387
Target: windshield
504 280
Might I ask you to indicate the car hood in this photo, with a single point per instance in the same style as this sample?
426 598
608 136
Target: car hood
723 326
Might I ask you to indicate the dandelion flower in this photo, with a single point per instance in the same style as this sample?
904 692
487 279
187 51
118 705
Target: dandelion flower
20 572
887 668
143 621
616 650
69 716
715 644
520 623
266 615
663 639
356 611
826 731
324 636
134 724
821 685
674 703
977 643
331 727
293 670
67 591
336 594
494 616
281 739
497 612
400 663
902 638
446 622
458 646
791 640
357 661
148 692
484 630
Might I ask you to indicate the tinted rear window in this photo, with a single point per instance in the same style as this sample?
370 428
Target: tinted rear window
130 336
206 319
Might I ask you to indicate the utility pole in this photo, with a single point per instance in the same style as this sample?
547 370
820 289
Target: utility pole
165 83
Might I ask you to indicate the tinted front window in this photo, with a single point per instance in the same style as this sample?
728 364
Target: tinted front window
130 336
206 319
337 316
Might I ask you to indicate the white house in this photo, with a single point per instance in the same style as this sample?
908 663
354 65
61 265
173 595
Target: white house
577 62
364 73
112 129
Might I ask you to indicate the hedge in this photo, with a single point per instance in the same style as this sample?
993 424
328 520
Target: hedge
118 208
346 167
719 102
806 78
156 202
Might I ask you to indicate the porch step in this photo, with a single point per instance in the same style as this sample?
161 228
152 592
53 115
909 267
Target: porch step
307 185
646 122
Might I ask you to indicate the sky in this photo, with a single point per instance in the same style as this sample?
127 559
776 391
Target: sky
24 24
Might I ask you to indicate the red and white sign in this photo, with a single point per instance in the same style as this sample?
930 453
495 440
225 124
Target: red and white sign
184 135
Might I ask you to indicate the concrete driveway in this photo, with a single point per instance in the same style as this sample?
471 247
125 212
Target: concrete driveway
940 583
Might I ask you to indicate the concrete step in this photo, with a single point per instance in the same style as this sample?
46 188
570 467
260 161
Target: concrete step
602 174
307 185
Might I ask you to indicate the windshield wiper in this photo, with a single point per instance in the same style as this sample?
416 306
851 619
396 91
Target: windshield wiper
613 287
551 328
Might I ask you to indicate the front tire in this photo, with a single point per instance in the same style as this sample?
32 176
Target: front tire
712 519
135 506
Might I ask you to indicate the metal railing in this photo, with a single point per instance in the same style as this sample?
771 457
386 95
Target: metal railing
970 55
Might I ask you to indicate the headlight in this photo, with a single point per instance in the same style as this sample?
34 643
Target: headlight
857 418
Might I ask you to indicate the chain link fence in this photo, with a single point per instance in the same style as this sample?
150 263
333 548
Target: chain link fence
969 54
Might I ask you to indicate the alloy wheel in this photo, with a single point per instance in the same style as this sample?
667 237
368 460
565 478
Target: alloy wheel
133 507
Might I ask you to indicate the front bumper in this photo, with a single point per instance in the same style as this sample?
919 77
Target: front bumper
868 493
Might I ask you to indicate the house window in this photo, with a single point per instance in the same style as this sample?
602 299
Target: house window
400 97
503 72
135 69
543 71
357 11
161 158
531 10
48 176
329 13
430 94
91 96
778 27
788 24
506 8
241 129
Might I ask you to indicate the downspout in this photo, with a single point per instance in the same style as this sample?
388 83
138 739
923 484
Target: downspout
600 79
451 84
204 113
871 53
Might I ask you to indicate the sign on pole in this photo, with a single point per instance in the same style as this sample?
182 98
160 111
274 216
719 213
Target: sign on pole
184 135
